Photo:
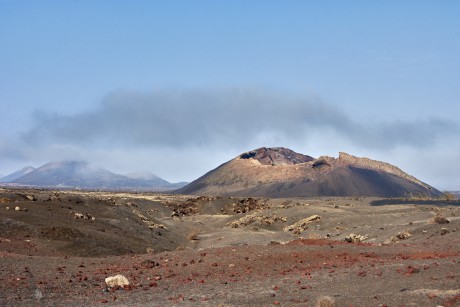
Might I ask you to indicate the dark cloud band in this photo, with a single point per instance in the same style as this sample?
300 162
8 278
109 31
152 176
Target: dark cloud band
179 119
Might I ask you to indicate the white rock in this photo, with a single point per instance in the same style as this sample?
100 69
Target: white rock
17 208
354 238
302 224
117 280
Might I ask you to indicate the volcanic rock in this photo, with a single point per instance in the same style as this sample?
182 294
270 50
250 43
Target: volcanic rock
354 238
302 225
276 156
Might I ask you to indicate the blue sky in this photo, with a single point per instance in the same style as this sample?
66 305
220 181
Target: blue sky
178 87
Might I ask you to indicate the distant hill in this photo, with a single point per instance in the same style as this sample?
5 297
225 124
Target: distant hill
281 172
80 174
17 174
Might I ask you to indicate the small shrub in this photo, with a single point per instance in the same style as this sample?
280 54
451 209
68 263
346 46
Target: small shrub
399 236
194 236
450 196
440 220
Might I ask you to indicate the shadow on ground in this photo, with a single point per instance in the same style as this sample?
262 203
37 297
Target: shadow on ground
389 201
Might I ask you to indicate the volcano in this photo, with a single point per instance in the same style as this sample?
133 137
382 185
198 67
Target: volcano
17 174
80 174
281 172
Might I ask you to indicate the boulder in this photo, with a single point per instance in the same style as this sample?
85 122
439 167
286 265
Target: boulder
117 280
354 238
302 225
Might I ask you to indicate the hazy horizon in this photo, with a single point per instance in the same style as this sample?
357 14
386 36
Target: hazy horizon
178 88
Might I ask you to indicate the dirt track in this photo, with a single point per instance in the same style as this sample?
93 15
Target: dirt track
50 256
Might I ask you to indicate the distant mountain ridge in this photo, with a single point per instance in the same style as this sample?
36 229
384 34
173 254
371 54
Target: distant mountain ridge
281 172
80 174
17 174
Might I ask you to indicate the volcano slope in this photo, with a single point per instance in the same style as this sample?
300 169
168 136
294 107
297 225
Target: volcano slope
281 172
57 248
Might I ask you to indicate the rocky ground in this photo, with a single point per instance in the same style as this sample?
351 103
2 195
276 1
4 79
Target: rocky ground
57 248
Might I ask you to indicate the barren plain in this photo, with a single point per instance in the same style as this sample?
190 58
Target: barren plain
57 248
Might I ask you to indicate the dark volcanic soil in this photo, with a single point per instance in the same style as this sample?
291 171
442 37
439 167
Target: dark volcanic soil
181 250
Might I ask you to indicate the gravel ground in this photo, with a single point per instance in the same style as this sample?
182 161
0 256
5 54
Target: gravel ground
253 265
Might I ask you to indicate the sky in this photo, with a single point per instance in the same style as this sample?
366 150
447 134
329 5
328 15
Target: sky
178 87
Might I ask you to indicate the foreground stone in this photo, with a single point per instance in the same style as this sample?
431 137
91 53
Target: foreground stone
302 225
354 238
117 280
